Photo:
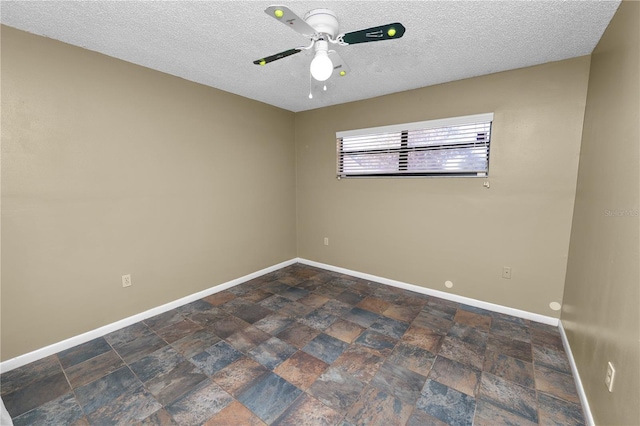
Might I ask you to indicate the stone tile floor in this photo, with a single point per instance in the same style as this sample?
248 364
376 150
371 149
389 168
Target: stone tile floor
305 346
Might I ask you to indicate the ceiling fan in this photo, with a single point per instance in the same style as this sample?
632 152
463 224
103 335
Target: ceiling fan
320 26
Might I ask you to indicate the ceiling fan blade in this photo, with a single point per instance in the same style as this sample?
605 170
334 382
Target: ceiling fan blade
277 56
383 32
340 67
286 16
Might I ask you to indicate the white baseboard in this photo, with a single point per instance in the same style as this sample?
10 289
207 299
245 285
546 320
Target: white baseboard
27 358
436 293
588 417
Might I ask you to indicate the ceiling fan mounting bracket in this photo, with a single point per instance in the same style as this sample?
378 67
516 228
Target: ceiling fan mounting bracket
323 21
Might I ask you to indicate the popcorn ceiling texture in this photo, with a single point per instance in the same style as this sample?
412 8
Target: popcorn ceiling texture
214 42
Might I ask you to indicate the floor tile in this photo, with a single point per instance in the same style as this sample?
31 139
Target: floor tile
374 340
509 396
228 325
389 327
325 348
359 362
360 316
294 293
374 304
336 389
546 338
402 312
318 319
557 384
376 407
196 306
235 377
423 338
466 353
455 375
253 313
207 318
313 300
216 357
159 418
199 404
220 298
421 418
137 344
94 368
101 392
247 338
83 352
554 411
160 361
170 385
274 323
510 329
307 410
440 307
63 410
399 382
468 334
350 297
296 309
474 309
298 334
256 296
471 319
275 302
510 347
164 319
488 414
235 414
27 374
346 331
412 357
301 369
512 369
178 330
446 404
553 358
129 407
269 397
510 318
433 322
272 352
195 343
35 394
335 307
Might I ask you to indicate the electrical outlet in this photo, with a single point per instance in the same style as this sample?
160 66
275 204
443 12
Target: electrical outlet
326 241
126 280
506 272
611 373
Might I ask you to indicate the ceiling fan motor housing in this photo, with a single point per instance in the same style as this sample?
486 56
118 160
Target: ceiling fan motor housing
323 21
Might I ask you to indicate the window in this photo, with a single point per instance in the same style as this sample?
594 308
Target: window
457 146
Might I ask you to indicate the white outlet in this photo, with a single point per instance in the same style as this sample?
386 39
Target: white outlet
506 272
611 373
326 241
126 280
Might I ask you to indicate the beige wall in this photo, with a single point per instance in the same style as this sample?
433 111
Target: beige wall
109 168
602 295
425 231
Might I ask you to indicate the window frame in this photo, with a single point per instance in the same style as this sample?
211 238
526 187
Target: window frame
404 148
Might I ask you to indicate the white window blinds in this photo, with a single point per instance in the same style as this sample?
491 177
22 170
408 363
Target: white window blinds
457 146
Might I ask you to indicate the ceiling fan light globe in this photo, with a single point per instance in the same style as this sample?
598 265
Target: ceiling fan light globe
321 66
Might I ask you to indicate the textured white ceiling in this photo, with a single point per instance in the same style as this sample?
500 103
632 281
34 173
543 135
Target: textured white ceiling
215 42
